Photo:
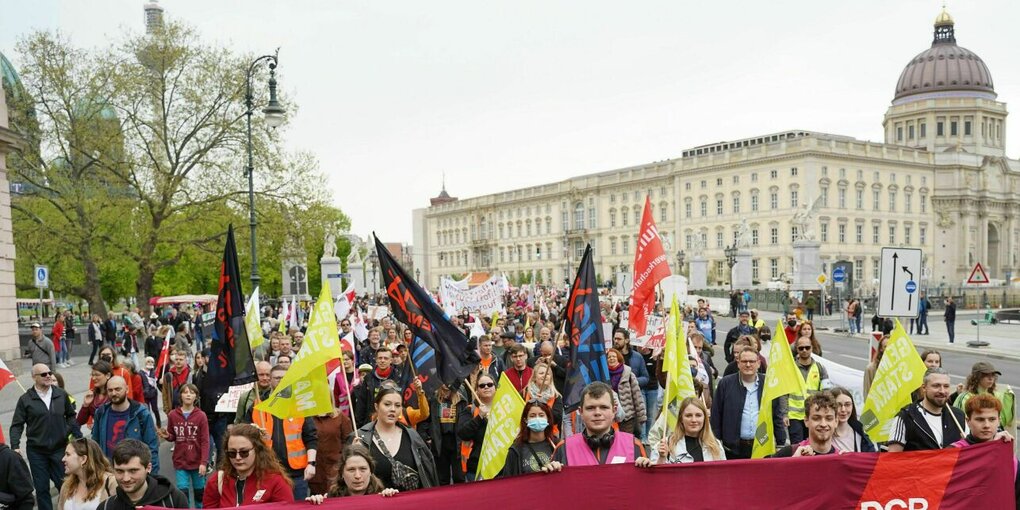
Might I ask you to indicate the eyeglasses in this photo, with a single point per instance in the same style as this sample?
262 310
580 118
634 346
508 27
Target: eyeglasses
44 374
486 385
804 348
748 361
238 454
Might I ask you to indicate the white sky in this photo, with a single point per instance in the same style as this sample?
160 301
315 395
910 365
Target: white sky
507 94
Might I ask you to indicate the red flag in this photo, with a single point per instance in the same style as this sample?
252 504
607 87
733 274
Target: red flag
164 356
6 376
650 267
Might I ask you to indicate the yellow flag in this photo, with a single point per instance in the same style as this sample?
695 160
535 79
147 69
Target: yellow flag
500 433
527 323
900 372
304 390
781 378
495 317
679 383
252 321
282 316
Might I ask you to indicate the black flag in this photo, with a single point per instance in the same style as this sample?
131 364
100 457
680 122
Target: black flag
412 306
586 362
230 359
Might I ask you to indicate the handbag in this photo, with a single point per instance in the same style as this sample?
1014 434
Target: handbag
404 477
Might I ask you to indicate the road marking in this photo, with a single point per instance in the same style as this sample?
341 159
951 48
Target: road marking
854 357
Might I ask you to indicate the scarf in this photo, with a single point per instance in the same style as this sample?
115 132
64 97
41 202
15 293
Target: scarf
536 394
615 374
383 374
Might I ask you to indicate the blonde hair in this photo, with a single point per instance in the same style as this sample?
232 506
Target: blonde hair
96 470
705 437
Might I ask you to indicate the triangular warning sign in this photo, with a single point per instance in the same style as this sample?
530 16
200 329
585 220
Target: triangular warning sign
978 275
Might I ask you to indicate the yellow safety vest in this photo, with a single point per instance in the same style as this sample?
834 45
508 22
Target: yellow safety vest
813 384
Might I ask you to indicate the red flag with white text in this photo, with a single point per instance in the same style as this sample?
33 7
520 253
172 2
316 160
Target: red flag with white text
650 267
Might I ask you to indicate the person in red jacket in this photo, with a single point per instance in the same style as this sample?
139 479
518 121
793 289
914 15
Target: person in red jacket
188 429
249 474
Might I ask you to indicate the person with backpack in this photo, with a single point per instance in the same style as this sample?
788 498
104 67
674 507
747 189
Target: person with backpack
188 429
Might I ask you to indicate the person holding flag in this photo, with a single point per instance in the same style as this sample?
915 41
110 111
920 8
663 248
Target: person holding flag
740 405
691 440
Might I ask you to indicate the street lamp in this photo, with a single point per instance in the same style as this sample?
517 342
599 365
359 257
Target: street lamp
274 117
374 259
417 276
731 260
680 255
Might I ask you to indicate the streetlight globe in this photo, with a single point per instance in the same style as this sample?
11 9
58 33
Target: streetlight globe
274 114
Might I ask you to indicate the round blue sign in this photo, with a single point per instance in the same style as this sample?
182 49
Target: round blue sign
911 286
839 274
41 274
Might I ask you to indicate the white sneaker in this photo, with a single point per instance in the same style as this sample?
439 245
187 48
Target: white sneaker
69 362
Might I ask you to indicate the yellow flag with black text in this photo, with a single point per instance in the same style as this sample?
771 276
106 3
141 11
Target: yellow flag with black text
252 320
781 378
900 372
304 390
503 426
679 382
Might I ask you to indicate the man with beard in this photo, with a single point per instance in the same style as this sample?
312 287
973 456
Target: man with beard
929 424
821 424
136 484
119 418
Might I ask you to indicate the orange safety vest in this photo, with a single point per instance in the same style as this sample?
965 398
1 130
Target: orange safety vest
466 446
297 455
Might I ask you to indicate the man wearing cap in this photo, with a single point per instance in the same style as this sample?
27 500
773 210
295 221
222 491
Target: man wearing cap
45 415
982 379
40 348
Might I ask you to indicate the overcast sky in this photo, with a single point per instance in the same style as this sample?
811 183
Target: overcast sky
507 94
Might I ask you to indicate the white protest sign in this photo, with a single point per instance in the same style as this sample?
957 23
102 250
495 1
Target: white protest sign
228 401
485 298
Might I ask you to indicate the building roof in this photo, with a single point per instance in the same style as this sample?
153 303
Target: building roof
945 68
9 77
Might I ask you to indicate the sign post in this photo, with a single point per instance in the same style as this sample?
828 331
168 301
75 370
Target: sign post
42 281
897 296
978 276
838 277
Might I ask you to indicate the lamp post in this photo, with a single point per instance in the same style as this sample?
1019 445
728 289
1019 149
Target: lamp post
731 260
274 117
680 255
417 276
374 259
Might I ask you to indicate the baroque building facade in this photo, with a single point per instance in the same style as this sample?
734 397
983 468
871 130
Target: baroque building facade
940 182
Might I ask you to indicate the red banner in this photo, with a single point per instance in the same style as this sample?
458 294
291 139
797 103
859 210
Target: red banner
952 479
650 267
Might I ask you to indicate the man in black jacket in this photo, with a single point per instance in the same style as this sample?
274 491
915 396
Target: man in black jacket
136 485
736 393
46 415
16 484
930 424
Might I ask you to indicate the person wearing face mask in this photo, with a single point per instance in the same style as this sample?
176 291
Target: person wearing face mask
821 424
541 389
356 477
791 328
692 439
403 459
536 449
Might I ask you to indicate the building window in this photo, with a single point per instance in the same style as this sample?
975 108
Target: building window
529 229
718 206
824 232
579 216
774 268
875 199
842 198
966 128
754 236
825 196
773 235
754 202
773 200
892 234
874 234
860 200
719 239
952 128
704 184
841 233
564 221
907 201
876 268
754 270
924 131
591 217
922 233
502 257
773 174
718 181
736 179
859 231
899 134
940 129
736 204
625 244
906 234
704 207
892 201
754 177
662 212
924 203
793 172
793 234
612 218
624 217
687 209
637 216
687 186
910 132
612 246
794 198
859 271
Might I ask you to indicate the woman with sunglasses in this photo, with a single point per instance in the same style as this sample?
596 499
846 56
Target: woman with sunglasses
88 477
536 449
249 474
356 477
849 435
471 424
692 440
402 458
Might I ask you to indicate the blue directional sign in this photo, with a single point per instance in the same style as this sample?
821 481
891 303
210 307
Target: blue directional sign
42 277
911 286
839 274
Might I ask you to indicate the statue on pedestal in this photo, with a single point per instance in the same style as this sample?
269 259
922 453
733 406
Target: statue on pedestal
804 220
329 244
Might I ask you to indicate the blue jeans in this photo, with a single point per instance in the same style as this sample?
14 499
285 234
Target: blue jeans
217 429
45 467
951 329
63 356
652 409
300 487
190 479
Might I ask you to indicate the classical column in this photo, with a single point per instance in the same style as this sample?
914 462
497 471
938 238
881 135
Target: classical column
10 348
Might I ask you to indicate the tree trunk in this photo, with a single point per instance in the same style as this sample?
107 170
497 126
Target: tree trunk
143 289
92 291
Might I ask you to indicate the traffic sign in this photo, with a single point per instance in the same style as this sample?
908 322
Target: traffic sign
978 275
822 279
839 274
42 277
901 267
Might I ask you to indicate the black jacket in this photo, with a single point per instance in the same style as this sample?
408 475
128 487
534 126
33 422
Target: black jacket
950 315
153 346
16 482
917 435
159 493
109 331
471 428
47 429
364 393
728 406
425 464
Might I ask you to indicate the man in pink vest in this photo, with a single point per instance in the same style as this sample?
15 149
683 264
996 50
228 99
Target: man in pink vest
599 444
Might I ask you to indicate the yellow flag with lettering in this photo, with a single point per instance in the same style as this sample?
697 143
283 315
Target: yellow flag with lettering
304 390
900 372
252 320
679 382
500 433
781 378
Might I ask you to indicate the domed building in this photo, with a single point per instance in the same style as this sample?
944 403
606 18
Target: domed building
939 181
